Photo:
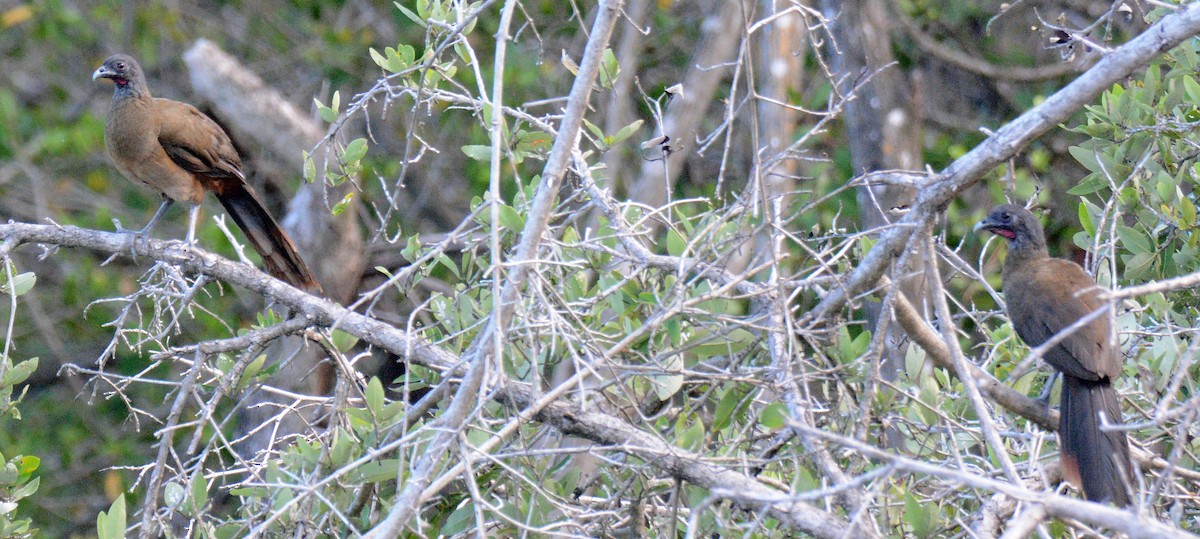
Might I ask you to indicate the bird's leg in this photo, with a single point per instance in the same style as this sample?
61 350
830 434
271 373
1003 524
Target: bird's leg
193 216
1045 396
162 209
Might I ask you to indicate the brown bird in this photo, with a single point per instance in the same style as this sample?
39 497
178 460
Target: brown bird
1044 297
178 151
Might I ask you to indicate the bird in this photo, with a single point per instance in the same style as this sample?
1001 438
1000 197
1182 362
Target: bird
181 153
1044 296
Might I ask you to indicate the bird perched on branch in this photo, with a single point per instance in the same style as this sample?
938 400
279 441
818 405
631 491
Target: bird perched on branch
178 151
1045 297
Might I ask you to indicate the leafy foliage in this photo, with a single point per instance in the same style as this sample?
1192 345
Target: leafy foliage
678 321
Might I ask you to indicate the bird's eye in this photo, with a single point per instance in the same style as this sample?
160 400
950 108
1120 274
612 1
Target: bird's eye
1006 216
119 65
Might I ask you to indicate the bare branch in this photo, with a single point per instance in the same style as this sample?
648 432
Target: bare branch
1005 143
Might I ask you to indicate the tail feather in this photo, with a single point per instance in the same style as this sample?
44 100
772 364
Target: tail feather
1099 459
264 234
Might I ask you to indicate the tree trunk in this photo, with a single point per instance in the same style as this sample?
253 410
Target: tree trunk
333 246
884 134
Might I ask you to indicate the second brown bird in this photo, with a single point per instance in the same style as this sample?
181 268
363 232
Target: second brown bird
178 151
1045 296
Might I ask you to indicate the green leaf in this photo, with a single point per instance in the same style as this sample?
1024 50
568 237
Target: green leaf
1150 81
666 385
623 134
478 152
407 54
342 341
511 219
1086 157
723 416
1085 219
310 168
19 372
732 342
355 151
849 349
199 494
1090 184
340 207
327 114
449 264
676 245
1192 88
773 416
8 474
595 129
412 16
21 284
609 70
251 371
26 465
26 491
374 472
1133 240
692 438
111 524
174 494
1187 212
460 521
569 63
379 59
395 62
412 250
1137 266
919 516
532 141
374 395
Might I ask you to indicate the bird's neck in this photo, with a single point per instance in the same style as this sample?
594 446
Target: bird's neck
1021 253
130 88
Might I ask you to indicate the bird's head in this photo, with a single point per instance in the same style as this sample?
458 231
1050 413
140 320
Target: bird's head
124 71
1015 224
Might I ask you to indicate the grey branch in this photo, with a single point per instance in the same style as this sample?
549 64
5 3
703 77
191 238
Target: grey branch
966 171
597 427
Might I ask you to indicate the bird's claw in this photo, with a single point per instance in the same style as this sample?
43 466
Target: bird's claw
136 236
1044 398
122 230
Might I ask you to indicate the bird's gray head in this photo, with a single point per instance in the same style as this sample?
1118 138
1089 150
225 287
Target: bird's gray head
1015 224
125 73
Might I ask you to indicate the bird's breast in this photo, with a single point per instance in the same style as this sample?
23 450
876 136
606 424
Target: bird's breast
130 131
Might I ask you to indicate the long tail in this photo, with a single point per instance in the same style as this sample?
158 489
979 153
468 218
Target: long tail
272 243
1099 460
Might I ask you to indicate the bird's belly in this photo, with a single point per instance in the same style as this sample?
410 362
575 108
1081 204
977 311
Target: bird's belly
156 173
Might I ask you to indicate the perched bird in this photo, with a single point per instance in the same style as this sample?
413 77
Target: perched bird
178 151
1046 296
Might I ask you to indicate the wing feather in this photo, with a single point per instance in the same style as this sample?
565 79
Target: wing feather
1052 295
196 143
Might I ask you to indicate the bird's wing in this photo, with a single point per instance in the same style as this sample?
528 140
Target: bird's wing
1049 296
195 142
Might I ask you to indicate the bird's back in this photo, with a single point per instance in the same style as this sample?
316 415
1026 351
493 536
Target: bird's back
1048 295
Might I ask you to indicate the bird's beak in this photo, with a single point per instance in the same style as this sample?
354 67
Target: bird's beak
101 72
984 225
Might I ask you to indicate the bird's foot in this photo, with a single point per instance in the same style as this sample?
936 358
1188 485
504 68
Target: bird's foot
122 229
1044 398
137 236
